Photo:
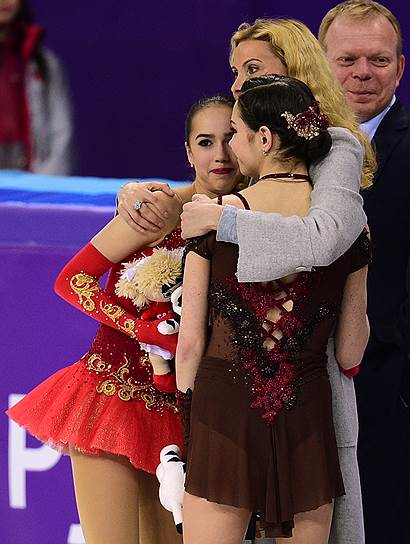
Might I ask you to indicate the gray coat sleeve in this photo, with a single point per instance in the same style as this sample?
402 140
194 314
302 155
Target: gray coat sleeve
272 246
227 231
57 158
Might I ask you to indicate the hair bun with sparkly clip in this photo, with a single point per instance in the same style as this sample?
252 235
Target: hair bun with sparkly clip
307 124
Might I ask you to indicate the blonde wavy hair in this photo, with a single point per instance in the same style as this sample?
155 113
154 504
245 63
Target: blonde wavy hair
302 55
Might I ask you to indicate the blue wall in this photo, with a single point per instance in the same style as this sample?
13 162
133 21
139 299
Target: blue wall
135 68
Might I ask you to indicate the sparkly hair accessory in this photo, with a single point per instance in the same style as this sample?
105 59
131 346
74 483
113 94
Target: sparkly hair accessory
307 124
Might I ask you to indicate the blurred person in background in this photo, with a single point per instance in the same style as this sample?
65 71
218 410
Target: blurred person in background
35 111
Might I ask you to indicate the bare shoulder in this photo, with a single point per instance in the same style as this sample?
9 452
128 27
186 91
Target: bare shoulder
184 192
233 200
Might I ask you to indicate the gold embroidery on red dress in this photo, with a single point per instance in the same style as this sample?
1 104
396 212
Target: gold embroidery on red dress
115 312
125 388
96 363
85 287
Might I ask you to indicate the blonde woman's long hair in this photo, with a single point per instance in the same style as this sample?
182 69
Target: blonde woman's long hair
302 55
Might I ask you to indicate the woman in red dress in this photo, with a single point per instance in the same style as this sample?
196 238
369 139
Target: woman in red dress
104 410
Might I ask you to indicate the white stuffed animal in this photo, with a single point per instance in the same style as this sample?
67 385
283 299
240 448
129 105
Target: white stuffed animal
171 326
171 476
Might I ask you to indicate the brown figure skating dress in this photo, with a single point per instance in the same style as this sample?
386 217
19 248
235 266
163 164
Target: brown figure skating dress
262 435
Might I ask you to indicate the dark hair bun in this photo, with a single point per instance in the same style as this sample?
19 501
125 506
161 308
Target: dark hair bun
265 100
315 149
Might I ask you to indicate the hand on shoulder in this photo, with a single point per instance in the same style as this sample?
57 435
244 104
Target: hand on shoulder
145 206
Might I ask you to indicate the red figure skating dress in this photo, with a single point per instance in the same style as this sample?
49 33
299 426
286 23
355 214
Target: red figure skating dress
105 402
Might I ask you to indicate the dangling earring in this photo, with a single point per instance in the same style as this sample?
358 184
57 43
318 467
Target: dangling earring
191 165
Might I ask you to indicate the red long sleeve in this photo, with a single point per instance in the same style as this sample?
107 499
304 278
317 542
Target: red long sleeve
78 284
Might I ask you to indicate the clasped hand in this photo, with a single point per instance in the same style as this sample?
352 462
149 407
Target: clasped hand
198 217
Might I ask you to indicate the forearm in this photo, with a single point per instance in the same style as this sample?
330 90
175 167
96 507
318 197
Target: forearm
272 246
353 330
351 342
194 320
78 284
188 358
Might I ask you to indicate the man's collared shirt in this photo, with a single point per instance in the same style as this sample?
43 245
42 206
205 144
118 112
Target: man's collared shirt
369 127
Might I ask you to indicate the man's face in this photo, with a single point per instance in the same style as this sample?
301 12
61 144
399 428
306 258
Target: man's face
363 55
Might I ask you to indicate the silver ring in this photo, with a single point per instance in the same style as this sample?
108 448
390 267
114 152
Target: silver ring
137 205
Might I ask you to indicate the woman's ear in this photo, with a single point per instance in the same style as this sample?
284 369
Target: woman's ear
189 154
266 139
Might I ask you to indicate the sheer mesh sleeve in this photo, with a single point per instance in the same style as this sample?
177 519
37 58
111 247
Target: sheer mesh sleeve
202 245
360 252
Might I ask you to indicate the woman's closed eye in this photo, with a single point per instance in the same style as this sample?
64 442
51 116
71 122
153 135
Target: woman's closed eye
231 135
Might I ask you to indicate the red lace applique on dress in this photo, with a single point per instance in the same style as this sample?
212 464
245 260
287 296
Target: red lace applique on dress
268 330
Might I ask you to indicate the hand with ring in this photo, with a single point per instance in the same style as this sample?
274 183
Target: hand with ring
141 208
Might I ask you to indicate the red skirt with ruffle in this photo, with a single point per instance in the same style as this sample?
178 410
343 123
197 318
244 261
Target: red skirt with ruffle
68 410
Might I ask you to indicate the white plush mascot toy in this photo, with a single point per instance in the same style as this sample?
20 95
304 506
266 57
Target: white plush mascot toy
171 476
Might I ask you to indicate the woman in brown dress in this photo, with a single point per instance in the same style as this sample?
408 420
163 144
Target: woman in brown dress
262 437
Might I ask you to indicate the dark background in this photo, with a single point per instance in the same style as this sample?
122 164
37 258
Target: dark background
135 68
